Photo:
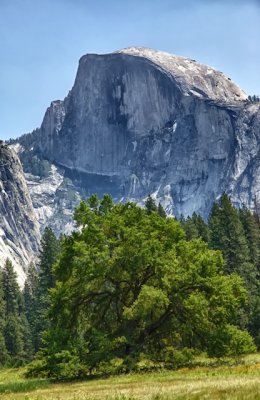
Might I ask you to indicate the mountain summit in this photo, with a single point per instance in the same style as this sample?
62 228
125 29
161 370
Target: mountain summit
191 77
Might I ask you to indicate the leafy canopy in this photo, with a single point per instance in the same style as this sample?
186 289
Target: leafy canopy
128 285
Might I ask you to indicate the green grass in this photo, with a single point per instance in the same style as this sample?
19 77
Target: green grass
237 379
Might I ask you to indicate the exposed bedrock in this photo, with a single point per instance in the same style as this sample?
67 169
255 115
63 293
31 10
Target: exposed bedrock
140 122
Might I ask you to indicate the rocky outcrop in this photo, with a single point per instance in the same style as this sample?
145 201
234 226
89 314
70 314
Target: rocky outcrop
19 229
244 184
54 199
140 122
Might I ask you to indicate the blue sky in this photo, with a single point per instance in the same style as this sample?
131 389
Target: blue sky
41 42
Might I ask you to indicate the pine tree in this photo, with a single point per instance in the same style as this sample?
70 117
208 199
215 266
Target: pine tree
16 329
237 245
202 227
150 205
252 233
227 234
190 228
11 289
195 227
3 351
50 250
30 292
251 227
161 211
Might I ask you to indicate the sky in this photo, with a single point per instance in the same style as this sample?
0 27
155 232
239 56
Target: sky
41 42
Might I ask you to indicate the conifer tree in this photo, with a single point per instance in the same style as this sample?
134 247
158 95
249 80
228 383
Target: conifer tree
251 227
16 330
190 228
237 245
30 292
50 250
150 205
161 211
195 227
105 204
3 352
202 227
252 233
227 234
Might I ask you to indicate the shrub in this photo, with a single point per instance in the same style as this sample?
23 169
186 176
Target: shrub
231 341
60 366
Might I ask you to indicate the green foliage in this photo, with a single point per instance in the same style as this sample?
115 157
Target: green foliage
227 235
37 368
37 286
254 322
236 233
232 341
175 358
3 350
11 289
49 253
30 291
150 205
161 211
12 328
15 338
129 287
190 228
251 227
63 365
195 227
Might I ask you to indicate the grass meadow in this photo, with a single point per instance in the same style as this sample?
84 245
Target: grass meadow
209 379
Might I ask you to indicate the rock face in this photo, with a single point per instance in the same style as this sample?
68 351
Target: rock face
140 122
54 199
19 229
244 184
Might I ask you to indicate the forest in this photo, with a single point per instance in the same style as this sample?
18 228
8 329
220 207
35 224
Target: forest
132 286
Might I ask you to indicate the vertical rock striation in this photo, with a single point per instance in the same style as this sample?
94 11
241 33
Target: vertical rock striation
19 230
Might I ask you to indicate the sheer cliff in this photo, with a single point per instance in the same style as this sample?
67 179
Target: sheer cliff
19 229
139 122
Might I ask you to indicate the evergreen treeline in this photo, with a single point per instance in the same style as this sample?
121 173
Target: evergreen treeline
237 234
132 288
15 339
23 314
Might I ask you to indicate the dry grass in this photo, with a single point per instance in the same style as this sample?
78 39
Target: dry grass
237 382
